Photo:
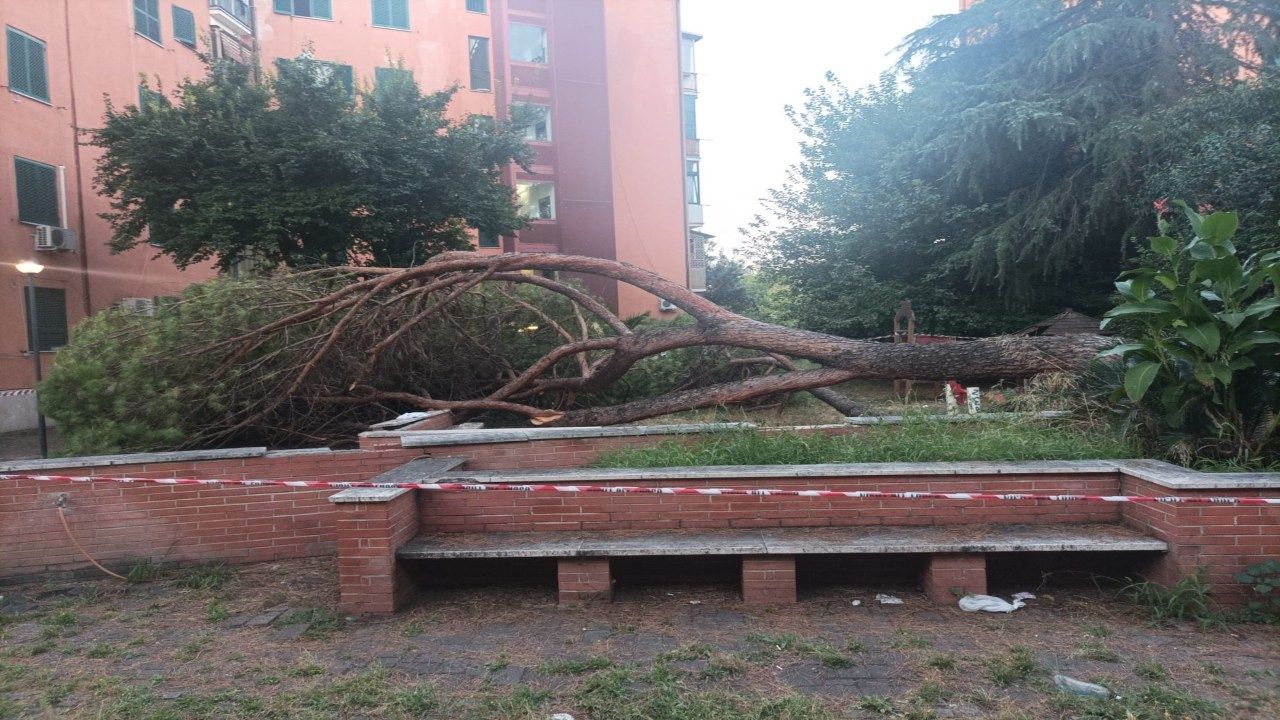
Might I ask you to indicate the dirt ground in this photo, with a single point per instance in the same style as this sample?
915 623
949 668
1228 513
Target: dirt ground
265 641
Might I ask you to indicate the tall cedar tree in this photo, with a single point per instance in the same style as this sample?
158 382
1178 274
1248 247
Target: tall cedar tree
1005 170
298 167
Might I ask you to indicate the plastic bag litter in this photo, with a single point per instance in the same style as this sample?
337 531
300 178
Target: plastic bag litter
1073 686
888 599
1024 596
989 603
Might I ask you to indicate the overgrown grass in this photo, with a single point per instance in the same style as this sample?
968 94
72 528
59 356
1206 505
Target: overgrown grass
916 440
1187 599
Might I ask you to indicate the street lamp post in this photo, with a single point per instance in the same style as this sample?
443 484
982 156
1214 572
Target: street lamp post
31 268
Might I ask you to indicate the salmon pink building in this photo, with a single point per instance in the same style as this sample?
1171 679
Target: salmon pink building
610 83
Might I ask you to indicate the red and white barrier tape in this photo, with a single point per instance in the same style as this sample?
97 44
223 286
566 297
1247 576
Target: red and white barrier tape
638 490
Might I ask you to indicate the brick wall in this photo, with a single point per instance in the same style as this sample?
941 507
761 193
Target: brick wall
1221 539
518 512
121 524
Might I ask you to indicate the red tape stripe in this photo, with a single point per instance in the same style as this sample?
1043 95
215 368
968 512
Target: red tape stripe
638 490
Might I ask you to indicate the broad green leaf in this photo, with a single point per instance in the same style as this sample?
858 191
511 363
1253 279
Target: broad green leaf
1232 319
1263 337
1225 271
1210 295
1262 307
1221 372
1121 349
1242 363
1204 336
1149 307
1139 378
1195 218
1200 250
1220 227
1125 288
1167 279
1164 245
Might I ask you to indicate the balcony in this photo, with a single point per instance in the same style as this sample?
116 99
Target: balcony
694 213
239 13
689 81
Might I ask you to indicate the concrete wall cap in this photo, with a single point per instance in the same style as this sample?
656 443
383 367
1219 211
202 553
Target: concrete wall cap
367 495
429 438
132 459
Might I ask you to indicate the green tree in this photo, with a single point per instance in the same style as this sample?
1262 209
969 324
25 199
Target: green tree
726 284
298 167
1004 170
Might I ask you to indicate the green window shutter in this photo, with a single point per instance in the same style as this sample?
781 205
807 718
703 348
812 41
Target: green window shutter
37 186
51 317
284 7
382 75
28 71
322 9
382 13
148 98
184 26
345 78
146 19
477 6
490 239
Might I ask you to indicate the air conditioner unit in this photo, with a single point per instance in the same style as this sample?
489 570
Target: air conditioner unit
666 305
139 306
48 237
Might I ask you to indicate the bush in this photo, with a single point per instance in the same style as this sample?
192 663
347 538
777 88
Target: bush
1202 367
1264 580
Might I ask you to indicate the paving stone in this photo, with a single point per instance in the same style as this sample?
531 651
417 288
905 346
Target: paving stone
16 604
709 618
596 635
860 679
292 631
510 675
266 617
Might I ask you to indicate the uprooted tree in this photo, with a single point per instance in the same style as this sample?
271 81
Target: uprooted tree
308 356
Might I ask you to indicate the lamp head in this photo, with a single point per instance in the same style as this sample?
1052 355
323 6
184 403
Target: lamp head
29 267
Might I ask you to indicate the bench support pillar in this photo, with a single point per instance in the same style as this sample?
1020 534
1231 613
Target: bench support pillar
372 523
769 579
950 573
583 580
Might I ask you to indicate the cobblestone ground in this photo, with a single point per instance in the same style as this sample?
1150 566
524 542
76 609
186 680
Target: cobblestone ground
265 641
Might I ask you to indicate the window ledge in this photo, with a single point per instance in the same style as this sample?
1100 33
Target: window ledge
148 38
390 27
42 101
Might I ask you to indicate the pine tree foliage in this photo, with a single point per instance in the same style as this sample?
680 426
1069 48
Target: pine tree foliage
1005 169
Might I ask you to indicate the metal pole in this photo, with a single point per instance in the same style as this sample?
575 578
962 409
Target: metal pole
35 354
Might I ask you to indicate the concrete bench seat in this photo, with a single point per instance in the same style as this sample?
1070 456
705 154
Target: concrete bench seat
956 563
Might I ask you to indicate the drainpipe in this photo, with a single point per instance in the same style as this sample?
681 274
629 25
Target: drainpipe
75 140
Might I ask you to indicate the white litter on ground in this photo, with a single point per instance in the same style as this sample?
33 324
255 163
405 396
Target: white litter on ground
1073 686
888 599
1024 596
989 603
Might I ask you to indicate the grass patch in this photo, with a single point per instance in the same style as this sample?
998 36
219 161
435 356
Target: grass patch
1153 702
825 653
1187 599
915 440
615 694
1151 670
1098 651
143 571
205 577
1015 666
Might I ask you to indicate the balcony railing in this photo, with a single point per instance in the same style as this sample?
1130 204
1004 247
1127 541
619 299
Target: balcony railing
689 81
239 10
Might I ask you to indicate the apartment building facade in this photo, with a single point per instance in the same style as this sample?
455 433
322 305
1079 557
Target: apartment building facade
606 80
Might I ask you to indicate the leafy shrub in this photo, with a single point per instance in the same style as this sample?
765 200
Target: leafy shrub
1264 579
1204 360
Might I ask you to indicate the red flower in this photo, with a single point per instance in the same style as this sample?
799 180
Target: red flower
1204 208
1162 207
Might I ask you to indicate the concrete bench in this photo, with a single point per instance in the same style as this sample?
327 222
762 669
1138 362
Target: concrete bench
956 554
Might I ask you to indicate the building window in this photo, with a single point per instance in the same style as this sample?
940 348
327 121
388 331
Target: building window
184 26
148 98
490 239
690 117
28 71
478 6
478 51
391 14
528 43
539 119
146 18
537 200
51 318
692 183
321 9
37 186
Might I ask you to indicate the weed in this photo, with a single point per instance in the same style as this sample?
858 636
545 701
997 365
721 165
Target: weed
826 654
144 570
215 611
516 704
1151 670
1097 631
932 693
857 647
577 666
1187 599
722 666
205 577
307 666
941 662
904 639
1098 651
100 650
502 662
688 652
193 647
876 704
1013 667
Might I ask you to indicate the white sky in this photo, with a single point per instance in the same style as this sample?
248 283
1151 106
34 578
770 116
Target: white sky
755 58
